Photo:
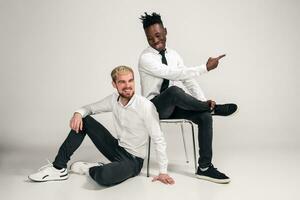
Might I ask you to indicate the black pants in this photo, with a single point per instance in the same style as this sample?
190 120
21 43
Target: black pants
174 103
123 164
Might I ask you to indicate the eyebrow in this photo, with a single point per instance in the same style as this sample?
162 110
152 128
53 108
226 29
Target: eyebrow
132 79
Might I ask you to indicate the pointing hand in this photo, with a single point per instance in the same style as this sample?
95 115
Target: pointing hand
212 63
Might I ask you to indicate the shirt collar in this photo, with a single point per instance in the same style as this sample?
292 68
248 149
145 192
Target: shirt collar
129 103
155 51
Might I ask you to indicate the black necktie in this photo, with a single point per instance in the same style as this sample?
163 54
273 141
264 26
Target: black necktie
165 83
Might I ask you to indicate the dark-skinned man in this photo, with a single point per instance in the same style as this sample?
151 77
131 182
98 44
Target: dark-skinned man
160 69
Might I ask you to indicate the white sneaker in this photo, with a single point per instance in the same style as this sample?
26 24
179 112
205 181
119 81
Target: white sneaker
49 173
82 168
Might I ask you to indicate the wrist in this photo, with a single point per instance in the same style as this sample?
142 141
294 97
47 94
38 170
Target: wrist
77 114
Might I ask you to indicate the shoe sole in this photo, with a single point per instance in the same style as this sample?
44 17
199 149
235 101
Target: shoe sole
81 173
235 113
46 180
221 181
70 168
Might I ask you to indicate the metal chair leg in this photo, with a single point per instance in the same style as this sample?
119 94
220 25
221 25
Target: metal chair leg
148 160
184 143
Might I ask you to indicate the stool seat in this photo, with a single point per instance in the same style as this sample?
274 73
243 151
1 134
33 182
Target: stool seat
175 121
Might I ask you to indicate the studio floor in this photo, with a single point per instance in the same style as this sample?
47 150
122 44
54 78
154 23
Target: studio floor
268 173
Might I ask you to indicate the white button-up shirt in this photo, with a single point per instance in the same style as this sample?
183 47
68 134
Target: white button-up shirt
133 124
153 71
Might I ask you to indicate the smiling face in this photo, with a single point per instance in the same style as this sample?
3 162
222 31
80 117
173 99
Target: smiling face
156 36
124 83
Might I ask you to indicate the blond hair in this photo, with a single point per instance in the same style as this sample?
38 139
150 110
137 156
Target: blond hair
122 69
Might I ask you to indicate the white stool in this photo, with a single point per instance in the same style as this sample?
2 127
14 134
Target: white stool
181 122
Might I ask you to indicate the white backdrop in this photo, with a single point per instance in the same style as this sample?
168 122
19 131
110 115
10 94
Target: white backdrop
56 56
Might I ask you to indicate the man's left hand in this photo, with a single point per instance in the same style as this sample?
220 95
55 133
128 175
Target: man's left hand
164 178
212 63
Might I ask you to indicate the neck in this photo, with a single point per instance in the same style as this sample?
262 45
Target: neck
124 101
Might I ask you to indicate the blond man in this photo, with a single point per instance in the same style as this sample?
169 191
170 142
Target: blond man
134 119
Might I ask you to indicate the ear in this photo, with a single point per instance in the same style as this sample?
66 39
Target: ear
114 84
166 31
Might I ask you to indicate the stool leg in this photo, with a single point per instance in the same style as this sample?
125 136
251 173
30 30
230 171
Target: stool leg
194 146
148 159
184 143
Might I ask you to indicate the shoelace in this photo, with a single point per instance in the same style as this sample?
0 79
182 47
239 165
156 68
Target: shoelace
213 167
216 170
45 166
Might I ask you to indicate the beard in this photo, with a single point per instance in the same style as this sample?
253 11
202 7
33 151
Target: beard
126 96
160 46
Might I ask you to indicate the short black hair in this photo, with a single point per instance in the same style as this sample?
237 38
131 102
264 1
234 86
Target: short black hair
149 20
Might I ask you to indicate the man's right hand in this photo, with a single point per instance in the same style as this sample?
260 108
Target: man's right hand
76 122
211 104
164 178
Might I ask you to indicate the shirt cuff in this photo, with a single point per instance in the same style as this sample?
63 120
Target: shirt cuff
82 111
203 69
163 170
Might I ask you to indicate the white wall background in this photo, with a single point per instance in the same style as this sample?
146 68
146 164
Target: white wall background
56 56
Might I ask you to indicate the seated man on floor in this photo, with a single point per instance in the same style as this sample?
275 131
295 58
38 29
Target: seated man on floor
134 118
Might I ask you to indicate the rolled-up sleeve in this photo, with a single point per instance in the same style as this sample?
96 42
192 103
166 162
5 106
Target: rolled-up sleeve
104 105
191 84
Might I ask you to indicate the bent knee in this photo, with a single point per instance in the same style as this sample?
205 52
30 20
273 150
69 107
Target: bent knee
100 176
204 117
88 120
175 90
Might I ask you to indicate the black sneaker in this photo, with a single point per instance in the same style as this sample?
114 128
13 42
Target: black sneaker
225 109
213 175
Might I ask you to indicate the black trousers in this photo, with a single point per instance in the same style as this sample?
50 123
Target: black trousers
174 103
123 165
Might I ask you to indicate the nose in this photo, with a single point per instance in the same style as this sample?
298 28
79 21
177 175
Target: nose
127 84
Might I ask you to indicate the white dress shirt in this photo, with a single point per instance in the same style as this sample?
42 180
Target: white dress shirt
133 124
153 71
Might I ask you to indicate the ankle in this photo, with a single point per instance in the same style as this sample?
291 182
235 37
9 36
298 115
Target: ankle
57 167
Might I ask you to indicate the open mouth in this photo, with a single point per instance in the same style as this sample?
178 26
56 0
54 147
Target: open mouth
127 90
159 45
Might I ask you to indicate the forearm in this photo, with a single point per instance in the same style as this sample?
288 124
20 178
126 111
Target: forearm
103 105
176 73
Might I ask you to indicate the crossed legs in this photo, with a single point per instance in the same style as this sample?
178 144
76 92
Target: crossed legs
174 103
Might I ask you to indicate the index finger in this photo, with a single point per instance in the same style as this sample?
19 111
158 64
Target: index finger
221 56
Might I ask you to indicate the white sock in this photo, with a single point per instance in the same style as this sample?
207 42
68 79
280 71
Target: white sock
204 169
